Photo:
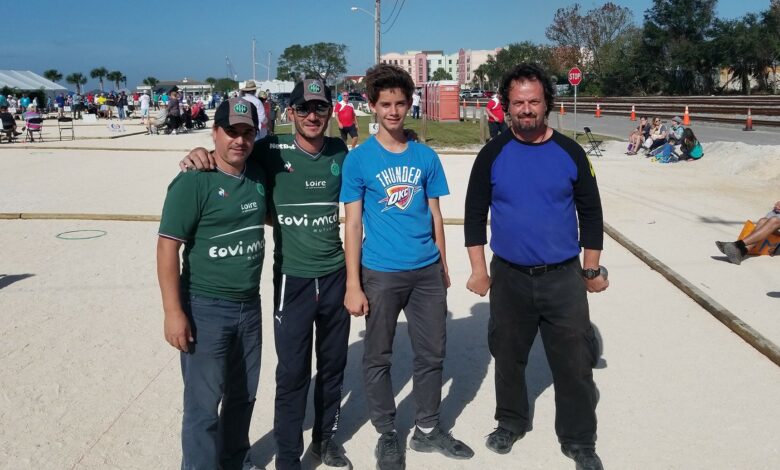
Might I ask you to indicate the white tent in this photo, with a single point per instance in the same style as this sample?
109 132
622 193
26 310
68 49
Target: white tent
27 81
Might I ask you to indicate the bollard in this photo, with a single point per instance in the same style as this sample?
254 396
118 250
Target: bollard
483 129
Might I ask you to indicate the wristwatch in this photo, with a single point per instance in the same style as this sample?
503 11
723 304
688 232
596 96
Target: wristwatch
593 273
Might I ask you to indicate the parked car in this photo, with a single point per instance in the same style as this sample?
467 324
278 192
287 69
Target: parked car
476 93
488 94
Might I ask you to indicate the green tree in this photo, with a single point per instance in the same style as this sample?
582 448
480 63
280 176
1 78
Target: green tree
441 74
52 75
748 47
589 36
676 45
211 81
225 85
116 77
76 79
479 76
99 73
151 82
496 66
325 60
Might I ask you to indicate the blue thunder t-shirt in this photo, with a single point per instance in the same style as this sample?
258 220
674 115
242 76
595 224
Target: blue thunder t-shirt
395 188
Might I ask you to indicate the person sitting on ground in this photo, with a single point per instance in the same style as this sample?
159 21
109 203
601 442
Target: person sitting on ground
690 147
676 131
8 122
658 135
738 250
638 136
31 114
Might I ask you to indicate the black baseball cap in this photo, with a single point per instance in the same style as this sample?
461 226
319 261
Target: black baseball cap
236 111
311 89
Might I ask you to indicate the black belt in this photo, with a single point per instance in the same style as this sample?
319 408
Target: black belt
536 270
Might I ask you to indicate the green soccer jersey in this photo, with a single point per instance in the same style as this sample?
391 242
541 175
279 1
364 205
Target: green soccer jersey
304 200
219 218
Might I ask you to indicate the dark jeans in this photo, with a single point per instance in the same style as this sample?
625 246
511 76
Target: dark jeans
554 303
302 305
415 112
422 295
223 364
496 128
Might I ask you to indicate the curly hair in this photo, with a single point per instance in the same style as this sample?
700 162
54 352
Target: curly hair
523 72
384 77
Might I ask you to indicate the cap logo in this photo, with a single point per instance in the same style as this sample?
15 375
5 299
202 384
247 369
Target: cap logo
314 87
240 108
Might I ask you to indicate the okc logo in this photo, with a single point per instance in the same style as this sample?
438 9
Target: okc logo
400 196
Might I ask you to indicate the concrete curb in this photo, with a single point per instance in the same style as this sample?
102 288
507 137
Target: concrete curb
733 322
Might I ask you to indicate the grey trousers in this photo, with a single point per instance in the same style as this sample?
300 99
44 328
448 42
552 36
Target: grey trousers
422 295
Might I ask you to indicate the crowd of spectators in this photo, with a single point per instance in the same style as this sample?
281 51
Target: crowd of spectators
664 142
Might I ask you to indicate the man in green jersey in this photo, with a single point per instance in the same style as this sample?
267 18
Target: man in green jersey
212 308
304 173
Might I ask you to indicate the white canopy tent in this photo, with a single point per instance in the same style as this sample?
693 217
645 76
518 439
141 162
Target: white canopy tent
25 80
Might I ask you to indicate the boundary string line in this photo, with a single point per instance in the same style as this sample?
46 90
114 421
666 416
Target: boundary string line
724 315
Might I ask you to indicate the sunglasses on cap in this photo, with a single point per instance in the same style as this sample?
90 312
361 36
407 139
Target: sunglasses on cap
318 108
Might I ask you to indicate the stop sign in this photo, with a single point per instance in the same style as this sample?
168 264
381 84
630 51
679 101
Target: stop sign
575 76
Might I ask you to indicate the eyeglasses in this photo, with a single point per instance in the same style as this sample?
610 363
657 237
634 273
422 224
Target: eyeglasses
320 109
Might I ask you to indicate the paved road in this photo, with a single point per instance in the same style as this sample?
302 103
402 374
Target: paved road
620 127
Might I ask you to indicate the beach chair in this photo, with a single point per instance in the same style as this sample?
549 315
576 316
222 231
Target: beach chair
595 145
65 124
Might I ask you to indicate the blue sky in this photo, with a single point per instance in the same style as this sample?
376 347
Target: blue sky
173 39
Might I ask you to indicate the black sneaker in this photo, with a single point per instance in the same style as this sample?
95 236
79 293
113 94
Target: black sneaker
733 252
720 246
501 440
329 453
441 442
388 453
584 457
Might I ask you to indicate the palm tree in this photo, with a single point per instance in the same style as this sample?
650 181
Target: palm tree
151 82
115 76
76 79
99 73
52 75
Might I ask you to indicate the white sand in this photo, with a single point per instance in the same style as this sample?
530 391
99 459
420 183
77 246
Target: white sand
88 381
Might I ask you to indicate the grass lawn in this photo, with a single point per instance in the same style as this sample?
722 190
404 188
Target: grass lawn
463 134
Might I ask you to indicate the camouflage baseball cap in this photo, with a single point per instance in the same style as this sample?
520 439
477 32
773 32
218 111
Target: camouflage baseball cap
310 90
236 111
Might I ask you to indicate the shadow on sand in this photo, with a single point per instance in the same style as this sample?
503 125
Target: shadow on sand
465 369
8 279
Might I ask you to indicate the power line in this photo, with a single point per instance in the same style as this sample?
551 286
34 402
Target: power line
391 13
396 17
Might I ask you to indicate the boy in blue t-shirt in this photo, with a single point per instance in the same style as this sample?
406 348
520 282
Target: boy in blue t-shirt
391 189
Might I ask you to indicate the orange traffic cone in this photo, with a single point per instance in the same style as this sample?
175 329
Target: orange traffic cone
633 113
748 122
563 111
686 118
598 110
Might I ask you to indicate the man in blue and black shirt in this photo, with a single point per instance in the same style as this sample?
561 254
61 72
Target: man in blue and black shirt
544 205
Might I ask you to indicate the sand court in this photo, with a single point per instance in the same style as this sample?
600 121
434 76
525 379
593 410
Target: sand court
89 382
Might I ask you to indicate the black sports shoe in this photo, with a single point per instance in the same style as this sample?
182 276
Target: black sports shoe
441 442
584 457
501 440
720 246
388 453
733 252
329 453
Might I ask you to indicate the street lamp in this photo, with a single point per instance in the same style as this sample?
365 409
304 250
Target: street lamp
377 24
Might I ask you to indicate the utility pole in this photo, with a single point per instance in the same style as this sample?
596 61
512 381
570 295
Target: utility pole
377 26
254 69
